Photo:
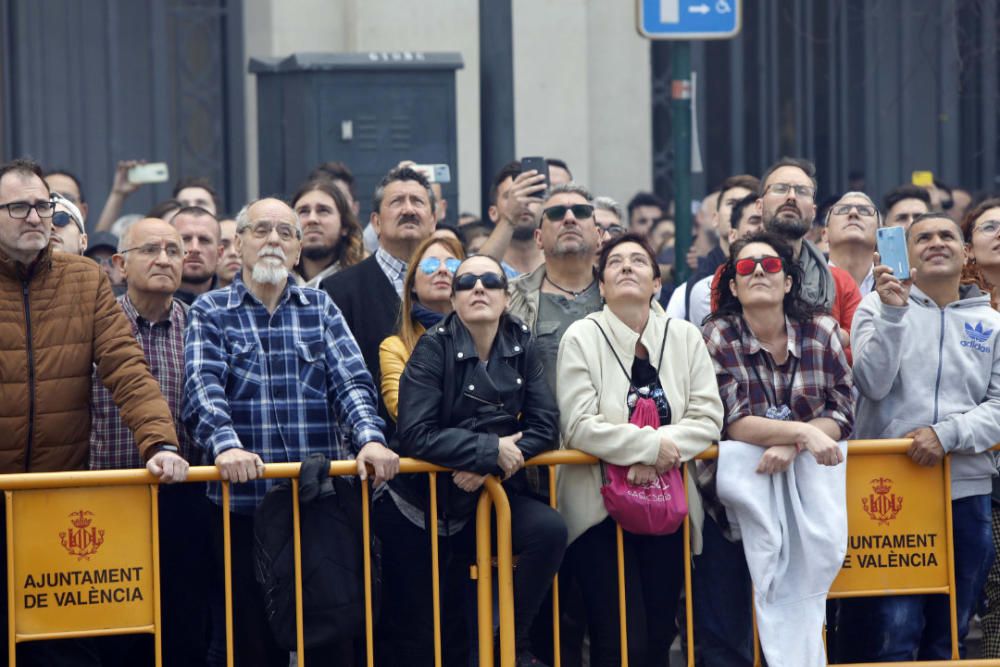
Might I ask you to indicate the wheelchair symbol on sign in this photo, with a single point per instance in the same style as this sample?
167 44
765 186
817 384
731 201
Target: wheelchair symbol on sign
723 7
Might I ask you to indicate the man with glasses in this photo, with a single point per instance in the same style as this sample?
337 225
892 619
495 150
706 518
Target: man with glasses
851 226
61 320
902 205
609 218
149 256
273 375
787 206
68 232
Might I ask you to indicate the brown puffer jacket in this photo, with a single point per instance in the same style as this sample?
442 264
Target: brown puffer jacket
66 303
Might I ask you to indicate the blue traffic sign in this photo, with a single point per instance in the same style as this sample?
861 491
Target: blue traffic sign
689 19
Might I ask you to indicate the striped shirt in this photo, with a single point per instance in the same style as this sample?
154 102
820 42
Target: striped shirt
282 385
112 445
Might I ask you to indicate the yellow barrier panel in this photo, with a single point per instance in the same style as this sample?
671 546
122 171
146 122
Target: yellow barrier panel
82 563
113 499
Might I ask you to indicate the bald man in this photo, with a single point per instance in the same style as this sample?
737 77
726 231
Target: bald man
321 395
150 256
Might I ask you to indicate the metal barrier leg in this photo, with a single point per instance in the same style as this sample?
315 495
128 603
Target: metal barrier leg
688 595
11 639
157 612
556 636
622 621
300 644
505 571
227 560
952 591
366 531
435 578
484 580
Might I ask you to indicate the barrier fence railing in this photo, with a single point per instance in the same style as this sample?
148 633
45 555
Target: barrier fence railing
37 505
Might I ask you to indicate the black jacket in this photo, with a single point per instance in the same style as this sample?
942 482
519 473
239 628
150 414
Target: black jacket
453 411
370 307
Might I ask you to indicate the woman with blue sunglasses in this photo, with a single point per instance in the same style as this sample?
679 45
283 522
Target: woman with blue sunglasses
426 300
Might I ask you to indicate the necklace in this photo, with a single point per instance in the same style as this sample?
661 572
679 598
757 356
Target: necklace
569 291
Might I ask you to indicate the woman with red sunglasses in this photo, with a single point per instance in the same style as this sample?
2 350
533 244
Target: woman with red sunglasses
786 386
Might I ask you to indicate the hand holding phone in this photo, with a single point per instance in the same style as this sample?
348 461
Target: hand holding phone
542 167
892 270
155 172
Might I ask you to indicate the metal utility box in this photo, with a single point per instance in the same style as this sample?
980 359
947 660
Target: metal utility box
368 110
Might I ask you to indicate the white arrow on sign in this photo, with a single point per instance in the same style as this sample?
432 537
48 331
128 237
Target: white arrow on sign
699 9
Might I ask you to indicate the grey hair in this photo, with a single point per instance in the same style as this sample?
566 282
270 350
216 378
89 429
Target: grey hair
569 188
854 193
402 174
609 204
243 217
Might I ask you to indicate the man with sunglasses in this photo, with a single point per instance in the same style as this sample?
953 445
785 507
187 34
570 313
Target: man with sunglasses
273 375
61 321
851 226
68 233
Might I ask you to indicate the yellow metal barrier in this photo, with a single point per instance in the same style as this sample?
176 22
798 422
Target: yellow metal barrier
493 497
56 483
856 447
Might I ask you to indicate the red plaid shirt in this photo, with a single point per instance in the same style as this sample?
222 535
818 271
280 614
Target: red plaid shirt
750 381
111 443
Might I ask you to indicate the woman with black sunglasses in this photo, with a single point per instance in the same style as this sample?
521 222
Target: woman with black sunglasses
472 398
786 386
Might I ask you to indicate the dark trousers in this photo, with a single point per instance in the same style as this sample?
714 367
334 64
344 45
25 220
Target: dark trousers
723 599
654 574
538 535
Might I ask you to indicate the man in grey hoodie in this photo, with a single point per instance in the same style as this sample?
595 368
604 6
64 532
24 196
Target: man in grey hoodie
927 364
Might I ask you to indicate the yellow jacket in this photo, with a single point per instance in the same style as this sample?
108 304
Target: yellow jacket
392 357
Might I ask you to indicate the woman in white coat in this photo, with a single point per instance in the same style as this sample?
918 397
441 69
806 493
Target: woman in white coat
607 361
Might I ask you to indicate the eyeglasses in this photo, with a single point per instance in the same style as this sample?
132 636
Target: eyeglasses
19 210
989 227
490 280
862 209
770 264
613 230
558 212
62 218
262 230
151 250
431 264
804 191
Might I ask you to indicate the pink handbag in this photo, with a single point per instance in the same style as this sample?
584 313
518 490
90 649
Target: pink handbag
655 509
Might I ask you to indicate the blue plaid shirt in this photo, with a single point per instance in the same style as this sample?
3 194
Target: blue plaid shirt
280 385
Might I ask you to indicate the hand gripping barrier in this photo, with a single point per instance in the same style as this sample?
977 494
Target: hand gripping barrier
101 502
36 503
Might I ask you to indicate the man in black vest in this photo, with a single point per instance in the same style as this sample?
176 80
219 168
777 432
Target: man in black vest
368 294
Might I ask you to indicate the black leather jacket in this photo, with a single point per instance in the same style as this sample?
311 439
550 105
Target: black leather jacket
453 409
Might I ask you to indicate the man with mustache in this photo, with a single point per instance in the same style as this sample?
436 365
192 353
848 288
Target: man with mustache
369 293
927 365
202 236
787 207
273 375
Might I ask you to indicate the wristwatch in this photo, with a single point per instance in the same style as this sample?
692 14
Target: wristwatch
161 447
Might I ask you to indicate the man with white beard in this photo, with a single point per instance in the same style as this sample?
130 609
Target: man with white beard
273 375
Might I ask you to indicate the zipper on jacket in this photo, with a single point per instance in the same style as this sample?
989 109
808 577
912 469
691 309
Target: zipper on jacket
31 376
937 382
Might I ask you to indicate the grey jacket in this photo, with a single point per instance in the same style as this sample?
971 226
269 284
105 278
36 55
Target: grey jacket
920 365
523 292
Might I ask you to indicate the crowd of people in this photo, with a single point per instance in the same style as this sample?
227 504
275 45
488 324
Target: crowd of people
186 337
